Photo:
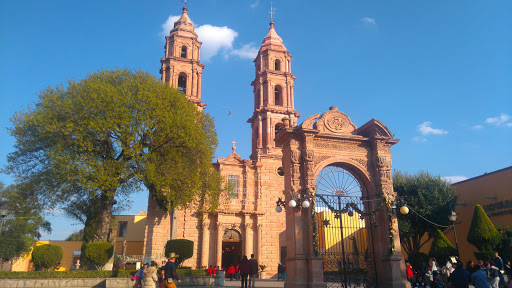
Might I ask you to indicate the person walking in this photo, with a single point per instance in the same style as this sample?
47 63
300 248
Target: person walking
245 268
479 278
279 271
150 277
170 269
253 271
494 275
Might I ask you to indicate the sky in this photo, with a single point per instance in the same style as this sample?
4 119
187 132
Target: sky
438 74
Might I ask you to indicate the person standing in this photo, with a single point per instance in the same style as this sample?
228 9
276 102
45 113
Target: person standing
410 274
494 275
498 262
245 268
479 278
253 263
231 272
437 283
210 271
150 277
279 271
460 277
170 269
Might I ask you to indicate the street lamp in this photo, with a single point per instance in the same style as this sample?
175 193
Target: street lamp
3 212
453 217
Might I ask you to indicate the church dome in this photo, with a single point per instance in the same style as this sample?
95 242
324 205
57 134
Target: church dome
272 40
184 26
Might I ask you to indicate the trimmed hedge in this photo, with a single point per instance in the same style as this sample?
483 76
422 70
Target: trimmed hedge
441 248
482 232
88 274
182 247
98 253
47 256
484 255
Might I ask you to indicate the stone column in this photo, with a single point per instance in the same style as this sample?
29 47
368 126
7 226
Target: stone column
220 233
259 243
200 74
205 247
247 239
260 132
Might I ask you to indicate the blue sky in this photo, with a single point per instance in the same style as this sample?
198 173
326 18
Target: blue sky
437 73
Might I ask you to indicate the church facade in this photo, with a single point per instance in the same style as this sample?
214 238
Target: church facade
246 221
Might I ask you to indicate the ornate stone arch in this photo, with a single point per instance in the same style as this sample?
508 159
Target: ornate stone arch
326 139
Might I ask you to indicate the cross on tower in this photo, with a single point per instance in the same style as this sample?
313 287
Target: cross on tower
184 2
271 13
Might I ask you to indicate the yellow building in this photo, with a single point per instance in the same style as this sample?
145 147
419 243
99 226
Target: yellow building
493 191
130 233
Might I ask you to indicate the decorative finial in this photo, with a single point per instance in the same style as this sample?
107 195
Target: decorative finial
271 14
234 147
184 3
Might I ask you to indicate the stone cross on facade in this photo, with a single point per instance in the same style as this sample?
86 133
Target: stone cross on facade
234 147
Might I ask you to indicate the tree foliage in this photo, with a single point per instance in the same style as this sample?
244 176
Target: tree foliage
98 253
106 135
22 226
182 247
441 248
482 232
47 256
504 247
431 197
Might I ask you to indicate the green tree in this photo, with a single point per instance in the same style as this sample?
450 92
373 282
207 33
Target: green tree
76 236
441 248
98 253
106 135
432 198
482 232
47 256
22 226
184 248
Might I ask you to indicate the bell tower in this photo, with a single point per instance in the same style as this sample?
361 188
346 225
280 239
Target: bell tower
181 67
273 95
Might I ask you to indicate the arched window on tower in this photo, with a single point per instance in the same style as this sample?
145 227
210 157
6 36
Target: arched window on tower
277 130
257 98
277 95
182 83
277 65
184 52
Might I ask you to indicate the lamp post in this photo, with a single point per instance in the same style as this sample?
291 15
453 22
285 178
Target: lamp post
453 217
3 212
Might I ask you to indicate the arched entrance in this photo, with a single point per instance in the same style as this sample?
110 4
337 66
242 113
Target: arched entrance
351 166
231 248
344 228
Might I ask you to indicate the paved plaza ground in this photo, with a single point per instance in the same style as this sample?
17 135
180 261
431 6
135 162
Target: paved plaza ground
259 283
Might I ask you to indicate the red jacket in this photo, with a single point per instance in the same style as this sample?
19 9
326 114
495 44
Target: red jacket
210 271
409 271
231 270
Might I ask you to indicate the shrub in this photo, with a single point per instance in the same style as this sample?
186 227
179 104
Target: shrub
182 247
504 248
11 248
482 232
441 248
47 256
418 260
98 253
484 255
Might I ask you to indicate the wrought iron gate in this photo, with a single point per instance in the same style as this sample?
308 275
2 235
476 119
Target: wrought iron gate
344 230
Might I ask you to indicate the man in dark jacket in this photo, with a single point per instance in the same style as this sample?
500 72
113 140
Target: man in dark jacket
460 277
253 271
170 269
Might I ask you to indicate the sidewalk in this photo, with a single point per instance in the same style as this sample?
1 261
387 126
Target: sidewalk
259 283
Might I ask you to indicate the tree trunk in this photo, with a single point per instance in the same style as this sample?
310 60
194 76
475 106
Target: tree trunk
103 218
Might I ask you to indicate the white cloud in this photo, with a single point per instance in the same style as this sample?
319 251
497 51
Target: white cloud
477 127
425 129
498 120
168 25
255 4
368 20
419 139
454 179
248 51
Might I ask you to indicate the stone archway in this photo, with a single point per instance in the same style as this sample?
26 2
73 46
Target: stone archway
231 248
332 139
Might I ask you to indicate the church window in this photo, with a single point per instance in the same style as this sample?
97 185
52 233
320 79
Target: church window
277 95
277 65
280 171
231 235
184 52
233 186
257 98
182 83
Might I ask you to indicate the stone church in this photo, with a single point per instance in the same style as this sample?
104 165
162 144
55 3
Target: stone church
246 222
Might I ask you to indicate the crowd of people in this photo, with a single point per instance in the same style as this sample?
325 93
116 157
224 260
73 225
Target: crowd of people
485 274
150 276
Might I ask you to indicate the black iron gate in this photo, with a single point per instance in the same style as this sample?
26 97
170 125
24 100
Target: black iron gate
344 231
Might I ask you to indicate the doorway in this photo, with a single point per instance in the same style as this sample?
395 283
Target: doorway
231 248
